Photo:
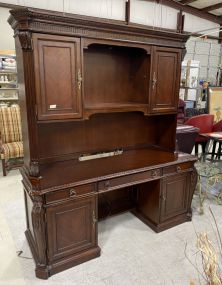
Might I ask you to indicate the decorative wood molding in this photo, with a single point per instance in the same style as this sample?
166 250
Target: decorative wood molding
38 221
69 24
25 39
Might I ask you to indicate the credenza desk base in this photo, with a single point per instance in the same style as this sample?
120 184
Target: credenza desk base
62 224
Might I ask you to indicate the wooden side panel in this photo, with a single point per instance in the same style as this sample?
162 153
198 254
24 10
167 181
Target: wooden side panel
165 76
148 202
175 193
58 76
71 227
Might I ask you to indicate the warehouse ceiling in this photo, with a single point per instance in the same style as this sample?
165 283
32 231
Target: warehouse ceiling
210 6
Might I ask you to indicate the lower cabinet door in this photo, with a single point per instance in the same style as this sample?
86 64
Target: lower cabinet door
71 227
175 194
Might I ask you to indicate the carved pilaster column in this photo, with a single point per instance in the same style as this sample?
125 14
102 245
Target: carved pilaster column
38 222
193 183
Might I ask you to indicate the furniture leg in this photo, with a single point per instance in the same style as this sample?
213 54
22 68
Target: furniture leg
4 167
219 150
196 148
213 150
203 145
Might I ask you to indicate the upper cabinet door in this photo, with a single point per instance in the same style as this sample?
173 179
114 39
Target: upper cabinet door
58 77
165 77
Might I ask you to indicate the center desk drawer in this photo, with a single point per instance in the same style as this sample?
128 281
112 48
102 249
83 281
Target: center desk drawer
69 193
128 180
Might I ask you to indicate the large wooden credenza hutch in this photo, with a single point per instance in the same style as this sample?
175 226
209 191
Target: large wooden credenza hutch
99 102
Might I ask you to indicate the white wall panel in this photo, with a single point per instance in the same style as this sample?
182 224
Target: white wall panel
56 5
6 32
153 14
112 9
195 25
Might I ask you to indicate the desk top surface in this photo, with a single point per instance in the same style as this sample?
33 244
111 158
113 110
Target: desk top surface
131 161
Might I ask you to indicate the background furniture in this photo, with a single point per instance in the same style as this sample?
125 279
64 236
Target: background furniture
186 136
11 145
205 124
8 78
181 112
214 102
99 107
217 128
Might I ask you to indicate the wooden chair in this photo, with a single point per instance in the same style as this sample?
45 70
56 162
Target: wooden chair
205 124
11 145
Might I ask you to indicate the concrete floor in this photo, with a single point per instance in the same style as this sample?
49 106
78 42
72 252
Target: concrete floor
132 254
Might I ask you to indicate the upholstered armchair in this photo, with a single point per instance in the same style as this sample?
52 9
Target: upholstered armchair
11 145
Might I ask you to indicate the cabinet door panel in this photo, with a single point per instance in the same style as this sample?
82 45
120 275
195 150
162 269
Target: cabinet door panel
71 227
165 80
175 193
57 63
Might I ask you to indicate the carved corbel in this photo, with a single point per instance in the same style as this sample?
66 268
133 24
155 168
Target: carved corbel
38 223
25 39
184 51
34 169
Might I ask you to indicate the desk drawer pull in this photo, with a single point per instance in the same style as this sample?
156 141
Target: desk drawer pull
72 193
178 168
94 219
154 173
107 184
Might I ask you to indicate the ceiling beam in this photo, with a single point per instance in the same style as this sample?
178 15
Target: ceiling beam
189 9
212 7
185 2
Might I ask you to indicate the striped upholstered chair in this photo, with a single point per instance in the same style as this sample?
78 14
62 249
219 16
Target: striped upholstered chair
11 145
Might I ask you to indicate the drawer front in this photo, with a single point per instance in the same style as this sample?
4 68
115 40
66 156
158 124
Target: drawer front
69 193
177 168
128 180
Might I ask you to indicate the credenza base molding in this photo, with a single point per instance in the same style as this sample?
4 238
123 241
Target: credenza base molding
45 271
180 219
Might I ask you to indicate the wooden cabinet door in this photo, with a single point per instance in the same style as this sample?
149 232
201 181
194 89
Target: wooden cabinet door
165 80
58 77
71 227
175 195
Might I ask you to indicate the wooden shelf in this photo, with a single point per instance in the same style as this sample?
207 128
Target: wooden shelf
114 108
3 71
8 82
8 99
5 89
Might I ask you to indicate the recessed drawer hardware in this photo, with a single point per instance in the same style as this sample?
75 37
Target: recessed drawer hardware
94 219
178 168
100 155
70 193
154 173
